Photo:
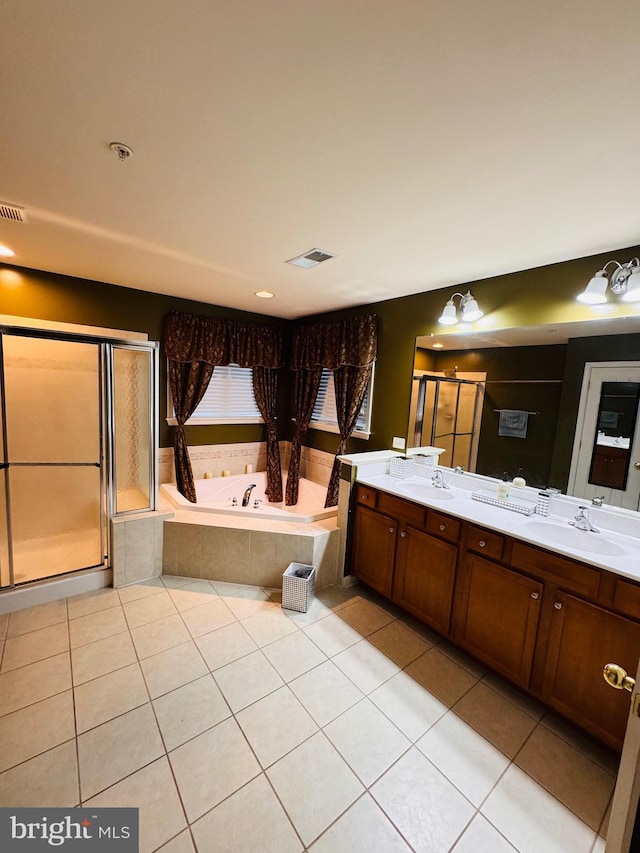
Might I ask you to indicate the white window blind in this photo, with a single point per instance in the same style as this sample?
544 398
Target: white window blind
228 399
324 412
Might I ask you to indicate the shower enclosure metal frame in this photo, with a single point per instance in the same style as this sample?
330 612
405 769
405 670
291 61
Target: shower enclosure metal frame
106 346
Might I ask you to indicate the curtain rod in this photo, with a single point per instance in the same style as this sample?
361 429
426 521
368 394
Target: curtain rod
510 410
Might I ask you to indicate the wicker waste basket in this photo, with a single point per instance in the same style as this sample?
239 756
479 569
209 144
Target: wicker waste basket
297 586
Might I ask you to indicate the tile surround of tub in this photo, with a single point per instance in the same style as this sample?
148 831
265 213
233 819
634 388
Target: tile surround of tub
137 546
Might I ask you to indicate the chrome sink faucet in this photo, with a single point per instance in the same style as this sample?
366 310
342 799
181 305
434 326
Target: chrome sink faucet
583 522
247 495
438 480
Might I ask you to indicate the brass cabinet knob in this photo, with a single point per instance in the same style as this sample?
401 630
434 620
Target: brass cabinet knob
365 497
535 595
443 527
403 533
482 543
557 605
392 530
617 677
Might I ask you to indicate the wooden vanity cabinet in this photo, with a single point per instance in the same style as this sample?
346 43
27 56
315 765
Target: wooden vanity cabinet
497 614
374 547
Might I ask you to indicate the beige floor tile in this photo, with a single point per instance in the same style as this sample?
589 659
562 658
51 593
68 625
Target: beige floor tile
109 696
225 645
116 749
532 820
441 676
365 617
212 766
336 597
243 605
101 657
462 658
180 844
269 626
275 725
592 748
249 821
35 729
294 655
32 618
364 828
463 756
599 845
481 837
154 586
175 581
208 617
424 806
366 666
367 740
149 609
407 704
29 684
246 680
312 806
91 602
35 646
49 780
173 668
159 636
325 692
518 697
572 778
315 611
190 710
192 594
332 635
497 719
242 589
153 791
398 643
96 626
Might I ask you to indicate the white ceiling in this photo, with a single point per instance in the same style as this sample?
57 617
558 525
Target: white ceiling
425 143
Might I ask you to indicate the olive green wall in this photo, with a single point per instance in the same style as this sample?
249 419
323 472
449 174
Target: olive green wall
64 299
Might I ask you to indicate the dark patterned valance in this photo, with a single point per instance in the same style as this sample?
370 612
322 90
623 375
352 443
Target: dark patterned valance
351 342
220 341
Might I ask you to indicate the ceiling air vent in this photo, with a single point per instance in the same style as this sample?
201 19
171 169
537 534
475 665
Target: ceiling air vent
311 258
13 212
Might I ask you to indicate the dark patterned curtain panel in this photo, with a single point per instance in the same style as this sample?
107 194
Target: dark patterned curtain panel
306 391
265 390
193 345
348 348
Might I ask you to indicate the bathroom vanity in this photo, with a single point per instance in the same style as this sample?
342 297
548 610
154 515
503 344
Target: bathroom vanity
536 600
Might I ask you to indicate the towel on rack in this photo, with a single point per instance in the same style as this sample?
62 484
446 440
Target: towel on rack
513 423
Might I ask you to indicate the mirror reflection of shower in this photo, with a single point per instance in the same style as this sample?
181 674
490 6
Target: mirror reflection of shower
446 410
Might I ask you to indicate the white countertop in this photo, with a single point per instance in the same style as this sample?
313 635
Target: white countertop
535 529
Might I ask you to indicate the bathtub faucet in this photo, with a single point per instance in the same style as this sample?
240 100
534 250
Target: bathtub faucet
247 495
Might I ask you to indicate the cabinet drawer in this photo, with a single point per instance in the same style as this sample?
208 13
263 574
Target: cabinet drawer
366 496
626 598
443 526
567 574
404 511
484 542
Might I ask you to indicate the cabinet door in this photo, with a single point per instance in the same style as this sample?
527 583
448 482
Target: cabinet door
582 640
424 577
373 549
497 617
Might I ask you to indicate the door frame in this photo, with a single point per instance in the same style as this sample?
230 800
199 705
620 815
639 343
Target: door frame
626 797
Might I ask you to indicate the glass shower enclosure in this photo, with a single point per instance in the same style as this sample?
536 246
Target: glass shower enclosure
78 445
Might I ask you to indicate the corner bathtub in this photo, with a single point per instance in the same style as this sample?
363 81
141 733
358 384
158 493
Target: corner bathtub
215 496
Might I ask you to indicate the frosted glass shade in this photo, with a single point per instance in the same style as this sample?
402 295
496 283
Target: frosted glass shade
595 293
633 287
449 315
470 310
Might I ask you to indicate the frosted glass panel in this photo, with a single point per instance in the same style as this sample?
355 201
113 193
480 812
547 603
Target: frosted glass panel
131 391
466 409
52 400
55 518
5 575
445 419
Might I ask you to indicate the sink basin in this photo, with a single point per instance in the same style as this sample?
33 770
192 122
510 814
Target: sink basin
582 540
424 490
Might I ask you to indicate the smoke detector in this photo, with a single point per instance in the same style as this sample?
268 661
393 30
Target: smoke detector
13 212
310 259
123 151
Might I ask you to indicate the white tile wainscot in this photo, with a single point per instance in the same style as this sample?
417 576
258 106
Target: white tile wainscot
136 546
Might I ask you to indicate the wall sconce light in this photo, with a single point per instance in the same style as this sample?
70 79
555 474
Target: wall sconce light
468 308
624 282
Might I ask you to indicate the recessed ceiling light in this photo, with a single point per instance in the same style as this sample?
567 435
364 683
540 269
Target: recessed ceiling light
6 252
437 346
264 294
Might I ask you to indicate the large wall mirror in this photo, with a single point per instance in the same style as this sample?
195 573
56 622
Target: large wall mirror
526 410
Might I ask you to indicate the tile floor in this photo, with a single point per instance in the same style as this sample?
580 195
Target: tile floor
237 726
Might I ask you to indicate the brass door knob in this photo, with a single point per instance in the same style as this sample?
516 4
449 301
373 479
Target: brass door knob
617 677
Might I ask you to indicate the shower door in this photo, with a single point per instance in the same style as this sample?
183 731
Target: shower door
52 478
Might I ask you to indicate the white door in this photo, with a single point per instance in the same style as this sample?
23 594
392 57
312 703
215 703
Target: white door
624 811
591 438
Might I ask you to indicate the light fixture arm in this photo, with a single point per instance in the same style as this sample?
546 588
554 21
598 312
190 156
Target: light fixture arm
620 277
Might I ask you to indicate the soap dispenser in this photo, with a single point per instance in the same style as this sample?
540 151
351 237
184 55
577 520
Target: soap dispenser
503 487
